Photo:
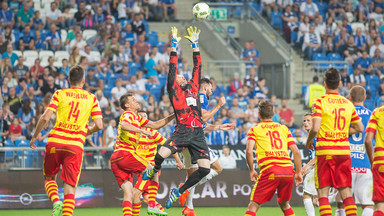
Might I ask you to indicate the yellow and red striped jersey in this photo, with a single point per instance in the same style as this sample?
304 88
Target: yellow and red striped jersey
272 141
336 114
125 139
147 147
74 106
376 125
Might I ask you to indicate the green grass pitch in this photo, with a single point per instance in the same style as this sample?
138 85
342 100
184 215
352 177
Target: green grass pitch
200 211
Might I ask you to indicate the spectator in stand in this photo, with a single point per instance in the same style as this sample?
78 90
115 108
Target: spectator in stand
51 87
169 4
151 66
20 70
15 130
54 16
24 16
37 22
3 44
128 35
287 117
110 134
78 42
21 88
314 91
62 82
269 6
364 63
124 75
330 28
74 58
308 8
117 92
157 57
378 61
226 160
122 10
282 4
84 64
243 100
252 112
6 15
112 47
82 12
363 10
88 22
377 15
10 54
27 41
378 45
351 52
235 84
4 88
303 28
328 45
138 25
25 113
52 69
155 10
107 29
320 27
312 43
43 79
347 26
54 38
238 112
140 49
290 20
40 43
251 79
216 90
261 90
371 35
92 83
119 59
13 101
93 61
103 102
12 80
30 94
9 35
345 84
68 18
99 17
140 80
357 78
360 40
335 10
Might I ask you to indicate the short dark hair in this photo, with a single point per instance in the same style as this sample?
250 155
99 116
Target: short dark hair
76 75
204 81
332 78
142 111
357 94
307 114
315 79
124 99
266 109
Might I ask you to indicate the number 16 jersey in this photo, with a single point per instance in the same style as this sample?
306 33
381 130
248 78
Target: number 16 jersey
336 114
73 107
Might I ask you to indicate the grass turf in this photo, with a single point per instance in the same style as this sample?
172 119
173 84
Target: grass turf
200 211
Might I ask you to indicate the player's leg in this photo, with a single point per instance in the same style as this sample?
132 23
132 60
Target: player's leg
362 190
343 182
162 153
379 208
127 188
340 211
284 188
308 204
286 208
324 206
323 180
253 207
309 191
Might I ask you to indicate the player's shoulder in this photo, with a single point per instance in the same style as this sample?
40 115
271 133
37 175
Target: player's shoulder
128 114
379 111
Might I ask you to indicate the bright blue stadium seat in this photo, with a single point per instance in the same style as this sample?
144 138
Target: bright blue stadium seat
276 19
319 57
125 22
162 79
156 92
8 143
153 38
237 12
160 45
334 57
146 26
111 79
370 104
379 103
294 36
257 7
227 90
22 143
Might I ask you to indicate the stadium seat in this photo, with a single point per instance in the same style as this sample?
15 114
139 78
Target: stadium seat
156 92
88 33
125 22
63 34
379 103
111 79
58 64
153 38
276 19
162 79
107 91
146 25
294 36
319 57
334 57
45 54
8 143
30 55
96 54
60 55
73 11
160 45
18 52
370 104
358 25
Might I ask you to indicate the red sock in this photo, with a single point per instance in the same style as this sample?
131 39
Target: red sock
152 193
289 212
250 213
69 204
324 207
350 206
378 213
160 207
127 208
52 190
136 209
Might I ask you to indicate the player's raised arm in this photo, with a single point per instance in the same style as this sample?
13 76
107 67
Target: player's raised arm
207 115
160 123
193 37
224 127
171 81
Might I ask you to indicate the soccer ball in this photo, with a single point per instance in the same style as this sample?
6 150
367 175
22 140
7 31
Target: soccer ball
201 11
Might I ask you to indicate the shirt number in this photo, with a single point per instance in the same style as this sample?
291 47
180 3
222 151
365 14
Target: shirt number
274 137
339 119
74 111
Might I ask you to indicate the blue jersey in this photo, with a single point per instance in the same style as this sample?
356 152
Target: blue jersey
358 154
204 104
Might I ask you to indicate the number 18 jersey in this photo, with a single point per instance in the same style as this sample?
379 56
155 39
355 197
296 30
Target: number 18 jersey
336 114
272 141
358 153
73 107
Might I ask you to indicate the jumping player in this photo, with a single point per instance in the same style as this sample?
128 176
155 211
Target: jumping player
73 106
375 126
271 142
189 132
205 93
125 161
331 120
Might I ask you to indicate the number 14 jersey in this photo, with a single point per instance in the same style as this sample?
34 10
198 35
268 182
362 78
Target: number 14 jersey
336 114
74 107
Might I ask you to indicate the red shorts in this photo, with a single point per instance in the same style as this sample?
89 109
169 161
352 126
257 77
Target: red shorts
333 170
125 163
143 185
275 177
68 156
378 182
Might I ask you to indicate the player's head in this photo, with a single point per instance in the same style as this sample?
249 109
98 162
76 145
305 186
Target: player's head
143 114
180 79
332 79
357 94
266 110
206 87
129 102
76 76
307 122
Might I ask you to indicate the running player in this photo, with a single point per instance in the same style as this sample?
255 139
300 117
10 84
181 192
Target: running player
74 107
205 93
125 161
375 126
331 120
189 132
310 193
271 142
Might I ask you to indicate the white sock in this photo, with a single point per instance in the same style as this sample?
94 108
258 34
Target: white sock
309 208
189 202
208 177
340 212
367 212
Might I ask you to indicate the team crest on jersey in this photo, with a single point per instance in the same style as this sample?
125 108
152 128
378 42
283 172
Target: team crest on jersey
126 115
